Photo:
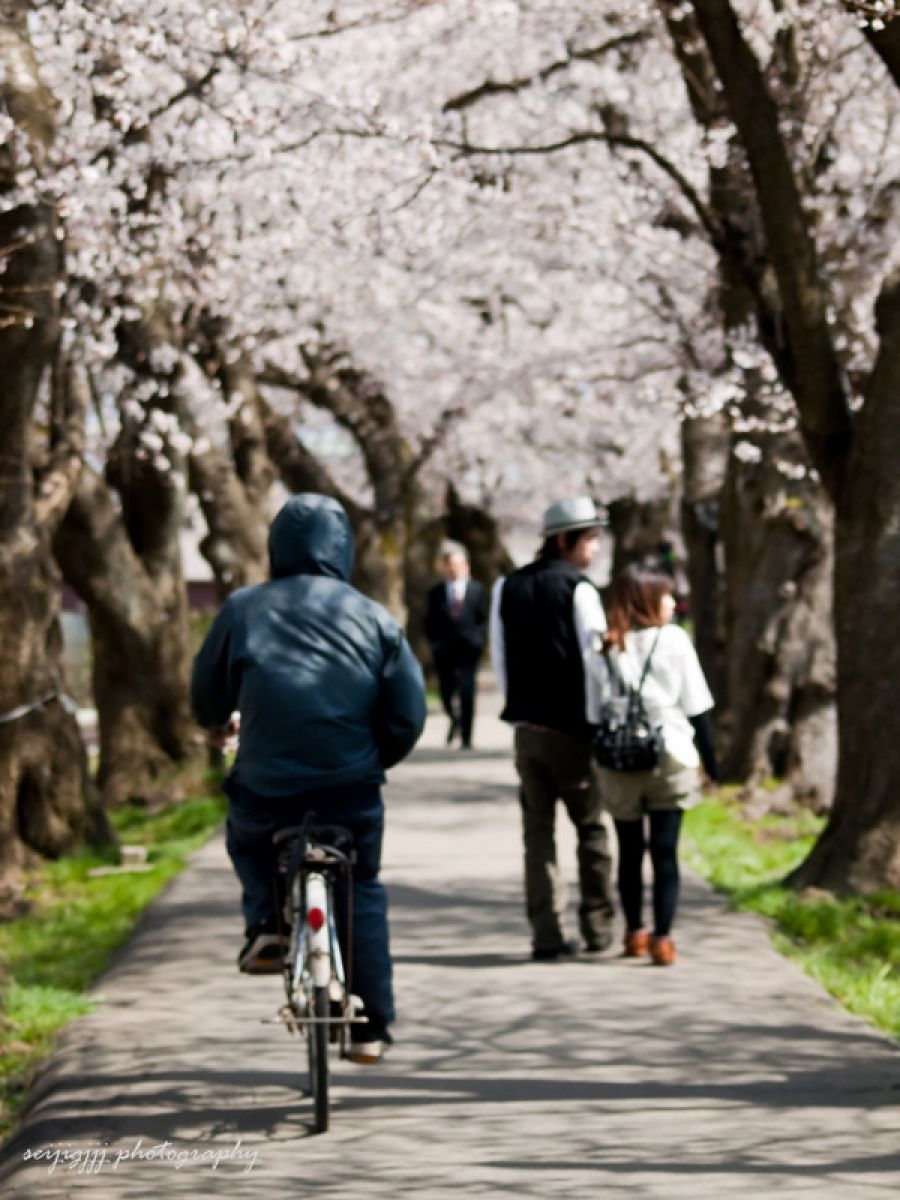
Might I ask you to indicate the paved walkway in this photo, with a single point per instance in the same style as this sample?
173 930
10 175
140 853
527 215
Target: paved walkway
728 1075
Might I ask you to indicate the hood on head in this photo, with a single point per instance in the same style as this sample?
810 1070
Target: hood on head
311 535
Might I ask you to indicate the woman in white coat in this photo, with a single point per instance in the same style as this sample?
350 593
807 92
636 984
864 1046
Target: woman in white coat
647 806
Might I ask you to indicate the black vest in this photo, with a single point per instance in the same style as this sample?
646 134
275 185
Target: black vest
544 669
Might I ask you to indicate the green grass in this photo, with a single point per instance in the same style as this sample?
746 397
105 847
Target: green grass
850 946
75 922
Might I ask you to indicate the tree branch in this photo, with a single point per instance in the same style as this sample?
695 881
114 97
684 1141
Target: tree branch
430 444
812 368
28 102
616 141
234 509
492 87
92 548
193 88
359 404
882 31
300 471
70 398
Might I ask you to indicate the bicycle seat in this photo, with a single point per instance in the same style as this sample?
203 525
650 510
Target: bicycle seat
288 834
331 835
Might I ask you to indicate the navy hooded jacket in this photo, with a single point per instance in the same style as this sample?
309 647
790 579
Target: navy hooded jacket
328 689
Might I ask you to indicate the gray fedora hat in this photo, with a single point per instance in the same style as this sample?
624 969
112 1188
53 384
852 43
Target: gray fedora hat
564 515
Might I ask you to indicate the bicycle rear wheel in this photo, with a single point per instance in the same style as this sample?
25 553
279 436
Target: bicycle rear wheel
317 1048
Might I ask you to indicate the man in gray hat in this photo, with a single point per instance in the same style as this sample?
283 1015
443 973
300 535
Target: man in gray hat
543 617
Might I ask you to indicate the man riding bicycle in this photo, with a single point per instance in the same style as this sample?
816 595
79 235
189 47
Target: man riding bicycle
329 695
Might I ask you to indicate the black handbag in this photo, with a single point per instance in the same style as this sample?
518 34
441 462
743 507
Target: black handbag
625 739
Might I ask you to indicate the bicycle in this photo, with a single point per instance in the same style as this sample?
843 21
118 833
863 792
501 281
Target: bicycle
311 859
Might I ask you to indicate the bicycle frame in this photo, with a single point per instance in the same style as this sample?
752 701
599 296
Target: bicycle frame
318 995
317 950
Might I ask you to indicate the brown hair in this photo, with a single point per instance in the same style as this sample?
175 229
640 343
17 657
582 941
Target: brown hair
635 600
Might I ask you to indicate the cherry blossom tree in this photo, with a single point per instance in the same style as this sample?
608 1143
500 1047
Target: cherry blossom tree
846 405
119 547
495 243
46 803
393 250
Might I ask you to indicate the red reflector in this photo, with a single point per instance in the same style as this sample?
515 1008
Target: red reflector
315 918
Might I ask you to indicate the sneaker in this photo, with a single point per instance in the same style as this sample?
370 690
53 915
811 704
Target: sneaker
662 951
263 951
637 943
567 949
368 1044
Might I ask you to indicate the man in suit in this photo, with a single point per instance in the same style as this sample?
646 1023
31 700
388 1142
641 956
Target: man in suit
456 628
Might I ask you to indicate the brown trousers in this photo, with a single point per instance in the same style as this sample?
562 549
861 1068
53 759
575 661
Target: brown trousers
555 766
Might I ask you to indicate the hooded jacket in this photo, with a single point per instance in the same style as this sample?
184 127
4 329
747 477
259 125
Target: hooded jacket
328 689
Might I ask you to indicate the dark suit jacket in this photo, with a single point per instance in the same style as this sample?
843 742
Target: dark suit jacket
461 637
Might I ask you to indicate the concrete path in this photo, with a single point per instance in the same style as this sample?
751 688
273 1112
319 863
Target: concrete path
729 1075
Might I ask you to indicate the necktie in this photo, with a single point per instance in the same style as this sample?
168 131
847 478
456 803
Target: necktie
456 605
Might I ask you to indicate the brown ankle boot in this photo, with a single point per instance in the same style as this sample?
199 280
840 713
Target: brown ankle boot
637 943
662 951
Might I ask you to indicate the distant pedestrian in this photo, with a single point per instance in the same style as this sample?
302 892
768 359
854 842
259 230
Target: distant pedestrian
456 628
543 618
647 806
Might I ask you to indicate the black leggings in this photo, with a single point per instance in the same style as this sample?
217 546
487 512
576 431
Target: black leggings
665 827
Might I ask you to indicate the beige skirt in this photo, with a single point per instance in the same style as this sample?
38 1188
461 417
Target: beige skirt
627 796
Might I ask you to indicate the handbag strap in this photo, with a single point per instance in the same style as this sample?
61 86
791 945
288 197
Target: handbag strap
616 674
646 667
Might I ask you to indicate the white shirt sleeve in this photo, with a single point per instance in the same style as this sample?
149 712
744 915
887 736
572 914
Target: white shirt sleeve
695 696
497 640
592 689
597 683
589 615
590 620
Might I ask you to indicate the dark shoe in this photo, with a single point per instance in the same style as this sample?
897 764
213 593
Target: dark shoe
600 943
568 949
453 730
263 951
368 1043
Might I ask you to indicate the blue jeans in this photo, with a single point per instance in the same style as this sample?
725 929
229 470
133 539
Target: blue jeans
253 819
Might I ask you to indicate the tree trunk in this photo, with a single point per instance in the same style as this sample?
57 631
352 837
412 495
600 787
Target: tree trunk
638 528
859 849
476 529
234 486
137 610
860 846
777 536
704 452
379 568
357 403
46 802
301 471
